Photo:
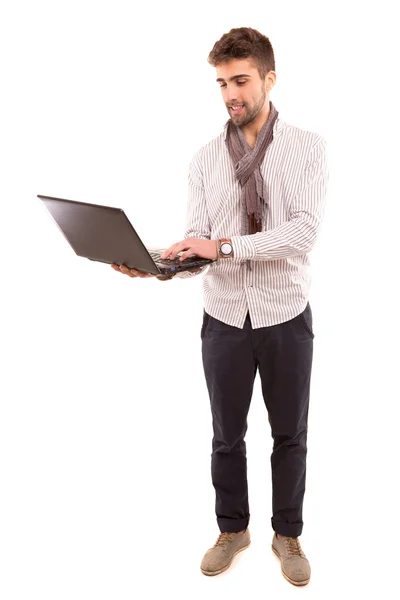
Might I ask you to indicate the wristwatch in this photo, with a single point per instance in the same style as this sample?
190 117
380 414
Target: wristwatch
225 249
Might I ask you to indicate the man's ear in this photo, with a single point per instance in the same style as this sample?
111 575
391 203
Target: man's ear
270 80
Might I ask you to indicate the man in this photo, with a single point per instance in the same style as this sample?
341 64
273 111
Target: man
256 201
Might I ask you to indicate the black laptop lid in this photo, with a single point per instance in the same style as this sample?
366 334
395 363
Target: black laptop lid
100 233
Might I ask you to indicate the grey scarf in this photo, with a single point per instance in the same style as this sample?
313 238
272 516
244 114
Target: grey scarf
246 162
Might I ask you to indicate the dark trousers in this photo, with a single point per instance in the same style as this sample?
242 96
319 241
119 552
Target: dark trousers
283 356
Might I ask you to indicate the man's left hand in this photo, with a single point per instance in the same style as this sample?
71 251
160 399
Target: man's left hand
203 248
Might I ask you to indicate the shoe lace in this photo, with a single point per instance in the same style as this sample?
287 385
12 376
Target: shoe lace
293 547
223 539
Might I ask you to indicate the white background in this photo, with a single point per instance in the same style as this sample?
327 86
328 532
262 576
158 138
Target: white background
105 429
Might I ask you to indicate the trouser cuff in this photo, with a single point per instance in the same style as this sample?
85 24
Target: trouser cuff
287 529
232 525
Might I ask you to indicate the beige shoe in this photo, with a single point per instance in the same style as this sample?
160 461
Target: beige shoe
294 564
218 558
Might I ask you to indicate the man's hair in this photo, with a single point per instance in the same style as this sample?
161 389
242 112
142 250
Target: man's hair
244 42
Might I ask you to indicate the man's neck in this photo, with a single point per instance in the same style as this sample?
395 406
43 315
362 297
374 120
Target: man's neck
251 131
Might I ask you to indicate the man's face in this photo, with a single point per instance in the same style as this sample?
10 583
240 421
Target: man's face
243 91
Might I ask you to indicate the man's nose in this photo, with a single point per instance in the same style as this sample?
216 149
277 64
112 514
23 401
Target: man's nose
231 95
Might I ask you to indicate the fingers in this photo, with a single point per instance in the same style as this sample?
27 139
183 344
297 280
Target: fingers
168 253
175 249
131 272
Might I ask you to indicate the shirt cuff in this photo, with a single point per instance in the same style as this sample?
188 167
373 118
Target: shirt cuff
243 247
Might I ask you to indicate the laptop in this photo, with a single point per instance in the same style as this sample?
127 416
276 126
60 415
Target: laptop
105 234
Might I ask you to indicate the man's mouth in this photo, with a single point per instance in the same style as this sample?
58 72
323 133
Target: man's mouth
236 108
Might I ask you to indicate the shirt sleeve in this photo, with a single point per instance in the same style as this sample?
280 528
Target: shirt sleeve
197 219
299 234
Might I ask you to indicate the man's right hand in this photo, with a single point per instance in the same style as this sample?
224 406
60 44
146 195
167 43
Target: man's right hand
131 272
135 273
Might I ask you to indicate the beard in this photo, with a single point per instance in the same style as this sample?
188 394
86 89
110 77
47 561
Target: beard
249 114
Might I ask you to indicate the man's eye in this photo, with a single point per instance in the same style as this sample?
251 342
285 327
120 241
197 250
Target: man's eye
238 82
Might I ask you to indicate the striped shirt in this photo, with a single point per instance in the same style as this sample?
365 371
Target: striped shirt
269 275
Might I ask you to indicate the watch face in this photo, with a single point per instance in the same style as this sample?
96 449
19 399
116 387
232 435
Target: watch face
226 248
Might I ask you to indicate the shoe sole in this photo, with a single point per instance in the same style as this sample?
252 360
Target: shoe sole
284 574
211 573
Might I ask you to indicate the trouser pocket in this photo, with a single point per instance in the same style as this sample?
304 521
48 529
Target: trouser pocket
206 317
306 318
